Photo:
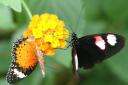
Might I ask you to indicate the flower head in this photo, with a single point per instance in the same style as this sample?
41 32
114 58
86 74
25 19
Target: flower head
48 31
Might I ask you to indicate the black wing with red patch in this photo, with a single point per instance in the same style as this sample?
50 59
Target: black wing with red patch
23 61
93 49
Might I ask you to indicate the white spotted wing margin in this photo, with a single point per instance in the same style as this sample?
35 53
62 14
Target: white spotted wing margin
16 73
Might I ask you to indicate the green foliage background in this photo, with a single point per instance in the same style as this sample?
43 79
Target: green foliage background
85 17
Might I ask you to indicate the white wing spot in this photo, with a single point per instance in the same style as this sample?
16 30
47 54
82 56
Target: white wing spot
111 39
100 42
76 62
19 74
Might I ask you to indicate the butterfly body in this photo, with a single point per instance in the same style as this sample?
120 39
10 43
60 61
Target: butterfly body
93 49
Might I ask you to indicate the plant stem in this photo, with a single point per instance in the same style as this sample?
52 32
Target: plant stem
27 9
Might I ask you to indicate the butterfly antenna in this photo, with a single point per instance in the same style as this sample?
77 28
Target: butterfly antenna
68 25
79 17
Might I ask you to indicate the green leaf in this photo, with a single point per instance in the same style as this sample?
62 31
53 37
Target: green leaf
14 4
64 57
6 20
3 81
5 55
116 9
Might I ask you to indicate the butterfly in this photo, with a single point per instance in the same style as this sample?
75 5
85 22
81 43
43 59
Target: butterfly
92 49
24 60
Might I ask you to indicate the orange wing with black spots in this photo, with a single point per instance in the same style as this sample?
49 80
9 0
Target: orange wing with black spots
24 60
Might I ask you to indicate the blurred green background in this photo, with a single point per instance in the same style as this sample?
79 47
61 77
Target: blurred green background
85 17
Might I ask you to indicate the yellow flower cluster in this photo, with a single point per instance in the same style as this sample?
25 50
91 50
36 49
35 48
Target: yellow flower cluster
48 31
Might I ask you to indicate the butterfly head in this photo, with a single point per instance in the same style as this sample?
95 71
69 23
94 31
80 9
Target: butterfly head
74 36
74 39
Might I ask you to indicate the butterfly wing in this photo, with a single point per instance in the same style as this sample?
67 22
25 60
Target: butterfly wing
23 62
93 49
75 62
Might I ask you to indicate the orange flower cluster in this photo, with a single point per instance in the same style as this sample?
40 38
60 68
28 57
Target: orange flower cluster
48 32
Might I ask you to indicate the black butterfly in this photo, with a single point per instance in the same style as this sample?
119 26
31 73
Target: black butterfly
92 49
